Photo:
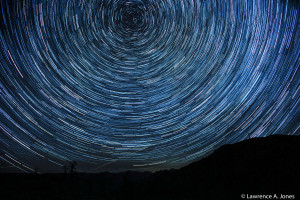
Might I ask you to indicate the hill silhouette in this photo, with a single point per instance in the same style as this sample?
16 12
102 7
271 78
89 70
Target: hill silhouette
259 166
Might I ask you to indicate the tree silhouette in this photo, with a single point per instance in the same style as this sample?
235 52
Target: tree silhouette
65 168
72 166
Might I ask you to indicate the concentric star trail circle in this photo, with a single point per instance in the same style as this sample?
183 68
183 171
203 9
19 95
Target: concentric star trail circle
143 84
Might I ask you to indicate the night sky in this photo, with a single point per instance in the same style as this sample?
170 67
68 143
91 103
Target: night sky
143 84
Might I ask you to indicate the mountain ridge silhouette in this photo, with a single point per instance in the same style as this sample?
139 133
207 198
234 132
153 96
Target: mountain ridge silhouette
269 165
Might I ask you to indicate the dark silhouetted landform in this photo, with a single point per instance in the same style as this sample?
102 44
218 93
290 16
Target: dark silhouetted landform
259 166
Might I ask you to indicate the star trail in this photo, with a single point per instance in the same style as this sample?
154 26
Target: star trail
142 84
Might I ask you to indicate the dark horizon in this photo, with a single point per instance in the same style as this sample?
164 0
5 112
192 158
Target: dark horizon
259 166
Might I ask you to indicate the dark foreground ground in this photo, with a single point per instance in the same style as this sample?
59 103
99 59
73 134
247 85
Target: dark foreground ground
262 166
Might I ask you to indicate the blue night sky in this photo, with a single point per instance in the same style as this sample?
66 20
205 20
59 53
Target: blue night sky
142 84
